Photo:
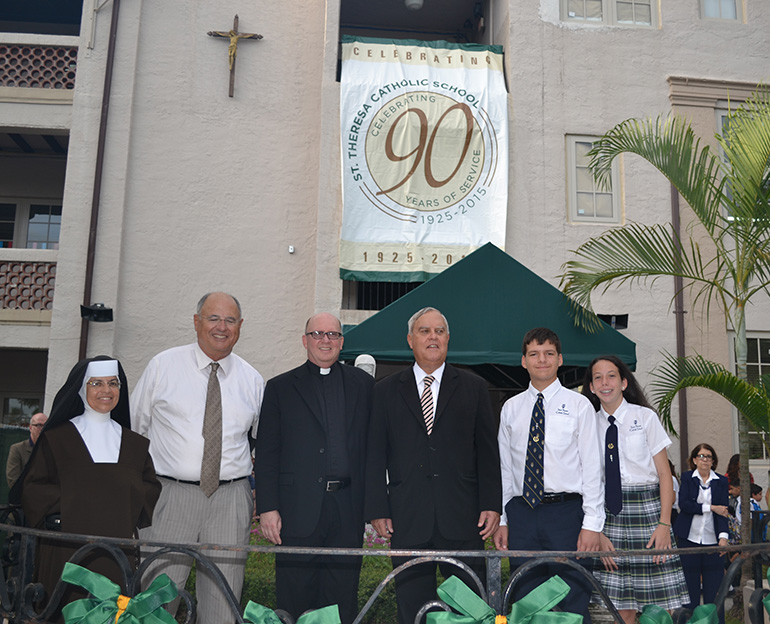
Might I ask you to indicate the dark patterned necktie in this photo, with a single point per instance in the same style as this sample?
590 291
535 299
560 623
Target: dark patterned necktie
533 469
426 401
212 434
613 493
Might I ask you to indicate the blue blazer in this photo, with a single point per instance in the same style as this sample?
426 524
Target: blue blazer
689 505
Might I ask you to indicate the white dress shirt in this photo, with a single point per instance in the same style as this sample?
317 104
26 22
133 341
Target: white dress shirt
168 403
640 438
572 449
702 527
419 377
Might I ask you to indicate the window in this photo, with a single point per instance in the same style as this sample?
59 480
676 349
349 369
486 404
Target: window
43 226
7 222
29 224
588 202
719 9
616 321
723 123
758 364
373 295
18 410
613 12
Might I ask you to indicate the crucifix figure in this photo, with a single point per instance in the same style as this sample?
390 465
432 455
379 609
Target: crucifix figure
232 50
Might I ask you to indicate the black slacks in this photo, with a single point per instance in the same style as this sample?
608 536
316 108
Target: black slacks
305 582
549 526
417 585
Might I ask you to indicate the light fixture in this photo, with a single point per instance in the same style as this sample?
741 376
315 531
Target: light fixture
98 312
413 5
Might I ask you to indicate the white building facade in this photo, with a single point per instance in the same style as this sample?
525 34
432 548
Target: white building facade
201 191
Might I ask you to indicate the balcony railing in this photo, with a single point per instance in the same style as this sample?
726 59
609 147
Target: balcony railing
27 285
38 66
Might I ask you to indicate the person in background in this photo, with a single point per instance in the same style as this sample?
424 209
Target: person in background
675 482
19 453
756 497
702 521
638 492
733 472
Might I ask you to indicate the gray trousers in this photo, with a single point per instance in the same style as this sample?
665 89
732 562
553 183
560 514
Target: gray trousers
184 514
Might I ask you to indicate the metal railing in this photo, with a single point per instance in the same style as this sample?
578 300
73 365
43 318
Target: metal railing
23 601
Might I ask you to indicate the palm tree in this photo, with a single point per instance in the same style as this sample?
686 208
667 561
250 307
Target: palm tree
729 197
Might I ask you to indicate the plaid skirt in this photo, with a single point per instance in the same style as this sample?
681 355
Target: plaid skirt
639 582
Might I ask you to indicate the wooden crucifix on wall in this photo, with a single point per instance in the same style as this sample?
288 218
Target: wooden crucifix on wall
232 50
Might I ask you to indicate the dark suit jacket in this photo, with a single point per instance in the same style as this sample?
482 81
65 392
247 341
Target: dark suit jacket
447 478
689 505
290 464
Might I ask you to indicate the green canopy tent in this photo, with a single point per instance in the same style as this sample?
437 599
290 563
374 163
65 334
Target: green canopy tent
490 301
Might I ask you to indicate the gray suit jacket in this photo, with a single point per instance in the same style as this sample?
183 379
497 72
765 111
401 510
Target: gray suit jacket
18 456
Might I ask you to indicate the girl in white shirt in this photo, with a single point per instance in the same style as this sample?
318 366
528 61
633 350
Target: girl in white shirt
647 494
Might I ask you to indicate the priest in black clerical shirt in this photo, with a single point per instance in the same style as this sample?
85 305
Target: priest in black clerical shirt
309 471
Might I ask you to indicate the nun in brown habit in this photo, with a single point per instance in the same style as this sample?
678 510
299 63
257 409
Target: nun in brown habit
88 470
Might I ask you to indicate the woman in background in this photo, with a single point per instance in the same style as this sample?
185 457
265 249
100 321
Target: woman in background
702 521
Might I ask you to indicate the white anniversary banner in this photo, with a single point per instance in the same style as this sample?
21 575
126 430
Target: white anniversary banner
424 156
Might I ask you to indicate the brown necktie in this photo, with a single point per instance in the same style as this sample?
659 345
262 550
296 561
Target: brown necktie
212 435
426 400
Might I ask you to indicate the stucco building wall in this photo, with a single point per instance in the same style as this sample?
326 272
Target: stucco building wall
203 192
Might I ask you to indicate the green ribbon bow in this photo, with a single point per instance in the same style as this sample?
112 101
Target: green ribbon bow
703 614
257 614
653 614
109 606
534 608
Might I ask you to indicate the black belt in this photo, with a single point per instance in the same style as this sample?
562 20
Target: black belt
221 483
333 485
560 497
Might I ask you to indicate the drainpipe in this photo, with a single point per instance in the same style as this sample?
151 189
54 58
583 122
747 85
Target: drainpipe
91 253
684 446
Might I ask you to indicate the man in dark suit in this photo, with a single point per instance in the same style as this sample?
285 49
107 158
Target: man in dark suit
444 490
309 470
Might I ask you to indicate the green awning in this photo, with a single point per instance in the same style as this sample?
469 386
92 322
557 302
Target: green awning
490 301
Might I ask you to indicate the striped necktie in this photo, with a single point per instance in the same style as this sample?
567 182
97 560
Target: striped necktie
426 401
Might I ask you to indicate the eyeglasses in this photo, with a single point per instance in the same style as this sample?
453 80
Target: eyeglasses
318 335
704 457
215 320
38 426
113 384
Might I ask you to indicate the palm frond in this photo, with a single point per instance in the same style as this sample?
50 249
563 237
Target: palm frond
671 146
675 373
640 253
